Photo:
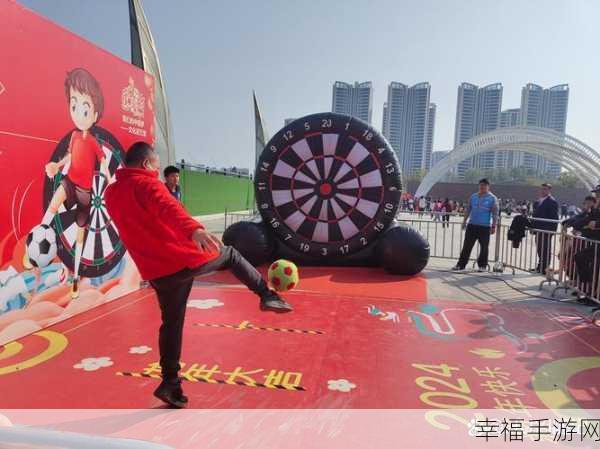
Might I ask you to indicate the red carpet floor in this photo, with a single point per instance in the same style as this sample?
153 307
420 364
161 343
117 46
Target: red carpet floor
357 339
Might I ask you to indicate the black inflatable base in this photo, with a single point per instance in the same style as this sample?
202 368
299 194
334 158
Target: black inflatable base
401 249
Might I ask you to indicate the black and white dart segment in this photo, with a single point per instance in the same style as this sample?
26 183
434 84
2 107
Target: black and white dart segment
328 185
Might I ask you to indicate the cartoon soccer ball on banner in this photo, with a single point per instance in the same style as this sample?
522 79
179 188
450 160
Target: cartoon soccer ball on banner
283 275
41 246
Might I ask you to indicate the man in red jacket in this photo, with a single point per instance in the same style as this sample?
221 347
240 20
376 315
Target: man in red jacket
170 248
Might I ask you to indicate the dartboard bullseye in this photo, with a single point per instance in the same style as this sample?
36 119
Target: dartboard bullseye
102 248
328 185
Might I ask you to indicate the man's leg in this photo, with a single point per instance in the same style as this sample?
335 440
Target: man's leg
546 252
483 236
470 239
583 261
172 298
539 244
243 270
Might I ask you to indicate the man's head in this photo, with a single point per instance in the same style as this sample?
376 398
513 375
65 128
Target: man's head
142 155
546 189
484 186
596 191
84 95
589 202
171 174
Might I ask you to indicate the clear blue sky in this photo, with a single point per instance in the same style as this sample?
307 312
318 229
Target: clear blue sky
213 53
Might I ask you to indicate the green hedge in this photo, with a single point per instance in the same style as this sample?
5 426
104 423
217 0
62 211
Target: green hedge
205 193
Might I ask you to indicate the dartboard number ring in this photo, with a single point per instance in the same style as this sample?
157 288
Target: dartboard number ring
328 185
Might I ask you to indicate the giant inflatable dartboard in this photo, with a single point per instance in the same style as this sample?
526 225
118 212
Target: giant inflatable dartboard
328 186
102 248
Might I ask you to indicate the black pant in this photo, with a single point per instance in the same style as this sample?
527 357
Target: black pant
543 243
473 234
173 292
585 260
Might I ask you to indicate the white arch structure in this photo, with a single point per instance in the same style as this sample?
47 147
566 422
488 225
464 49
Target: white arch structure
571 153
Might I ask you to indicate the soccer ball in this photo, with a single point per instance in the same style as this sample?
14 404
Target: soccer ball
41 246
283 275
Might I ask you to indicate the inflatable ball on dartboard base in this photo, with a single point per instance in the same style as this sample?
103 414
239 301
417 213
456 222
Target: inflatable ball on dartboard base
252 241
403 250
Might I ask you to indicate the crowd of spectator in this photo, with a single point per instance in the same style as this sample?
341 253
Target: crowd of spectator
580 257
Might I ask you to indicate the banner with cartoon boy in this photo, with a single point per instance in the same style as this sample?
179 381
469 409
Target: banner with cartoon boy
68 112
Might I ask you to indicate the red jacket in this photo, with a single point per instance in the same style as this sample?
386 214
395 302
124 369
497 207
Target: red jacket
154 226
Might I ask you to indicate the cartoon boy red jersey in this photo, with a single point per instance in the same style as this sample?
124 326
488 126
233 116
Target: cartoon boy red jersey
86 105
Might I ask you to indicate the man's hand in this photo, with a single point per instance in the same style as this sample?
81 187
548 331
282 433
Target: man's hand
493 230
207 241
52 169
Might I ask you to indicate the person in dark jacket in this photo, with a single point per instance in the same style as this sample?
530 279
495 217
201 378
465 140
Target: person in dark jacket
580 221
588 259
545 207
170 248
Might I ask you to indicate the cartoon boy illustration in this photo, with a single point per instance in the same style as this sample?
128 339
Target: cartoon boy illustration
86 105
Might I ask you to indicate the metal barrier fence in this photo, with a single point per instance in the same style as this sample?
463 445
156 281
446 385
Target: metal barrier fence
570 261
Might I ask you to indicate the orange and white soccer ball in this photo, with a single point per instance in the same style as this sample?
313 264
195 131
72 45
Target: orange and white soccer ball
283 275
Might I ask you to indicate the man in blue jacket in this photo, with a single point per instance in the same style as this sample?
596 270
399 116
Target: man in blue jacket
545 207
482 216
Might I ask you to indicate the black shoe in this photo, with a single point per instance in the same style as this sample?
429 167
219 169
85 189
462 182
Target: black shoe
171 393
457 268
272 301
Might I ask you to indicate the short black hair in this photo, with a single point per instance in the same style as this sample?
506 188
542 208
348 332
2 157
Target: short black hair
137 153
170 170
484 181
590 198
547 184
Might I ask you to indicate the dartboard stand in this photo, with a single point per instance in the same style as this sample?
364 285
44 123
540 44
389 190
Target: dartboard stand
327 188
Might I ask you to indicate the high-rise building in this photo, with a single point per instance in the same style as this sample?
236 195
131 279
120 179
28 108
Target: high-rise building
384 123
408 125
430 135
546 108
510 117
353 99
505 158
477 112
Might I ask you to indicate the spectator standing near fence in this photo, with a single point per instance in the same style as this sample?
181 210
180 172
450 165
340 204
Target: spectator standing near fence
447 209
422 204
171 174
563 210
587 260
482 216
545 207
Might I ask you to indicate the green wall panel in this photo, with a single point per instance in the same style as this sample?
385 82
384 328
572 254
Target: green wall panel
205 193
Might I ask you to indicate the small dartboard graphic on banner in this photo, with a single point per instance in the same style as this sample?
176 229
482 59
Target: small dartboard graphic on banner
328 186
103 248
